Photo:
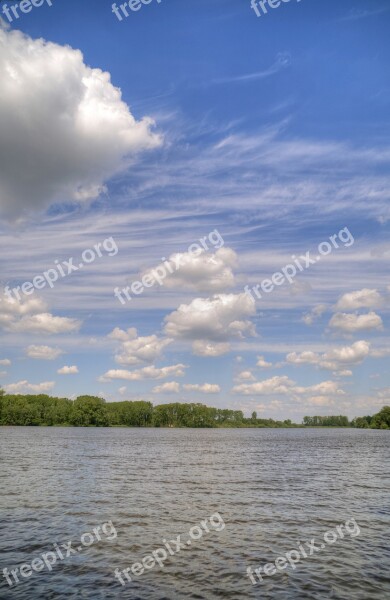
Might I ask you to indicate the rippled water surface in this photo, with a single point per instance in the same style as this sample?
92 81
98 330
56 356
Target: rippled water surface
274 489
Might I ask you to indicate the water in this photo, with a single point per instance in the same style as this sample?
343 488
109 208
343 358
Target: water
274 489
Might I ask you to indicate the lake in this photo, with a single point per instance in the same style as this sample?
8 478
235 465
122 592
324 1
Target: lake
273 490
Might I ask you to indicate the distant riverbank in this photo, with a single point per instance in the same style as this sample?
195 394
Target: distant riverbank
92 411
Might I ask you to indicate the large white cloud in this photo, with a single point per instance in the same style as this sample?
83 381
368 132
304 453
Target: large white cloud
203 388
27 316
365 298
45 323
24 387
135 350
335 359
218 318
351 323
274 385
64 128
144 373
283 385
203 272
169 387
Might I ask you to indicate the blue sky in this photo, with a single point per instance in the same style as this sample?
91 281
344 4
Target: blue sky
182 119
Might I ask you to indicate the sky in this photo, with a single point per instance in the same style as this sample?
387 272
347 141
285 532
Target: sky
201 147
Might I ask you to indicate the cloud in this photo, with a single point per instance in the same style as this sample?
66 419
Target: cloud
24 387
320 401
333 360
45 323
261 362
344 373
204 272
355 14
285 386
145 373
122 390
314 314
275 385
123 336
365 298
204 388
322 389
380 352
136 350
245 376
27 317
210 349
169 387
282 61
217 318
351 323
5 362
43 352
64 128
68 370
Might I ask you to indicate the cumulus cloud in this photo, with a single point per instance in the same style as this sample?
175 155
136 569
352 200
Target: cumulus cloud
27 316
24 387
365 298
169 387
204 388
136 350
201 271
245 376
275 385
314 314
205 348
43 352
321 389
218 318
261 362
144 373
352 323
5 362
45 323
333 360
283 385
320 401
123 336
68 370
64 128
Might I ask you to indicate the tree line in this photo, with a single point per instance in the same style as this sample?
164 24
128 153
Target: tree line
381 420
92 411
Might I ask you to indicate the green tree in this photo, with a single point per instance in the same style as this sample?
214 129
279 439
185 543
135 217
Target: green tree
89 410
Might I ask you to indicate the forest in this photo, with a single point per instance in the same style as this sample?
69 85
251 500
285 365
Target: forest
92 411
